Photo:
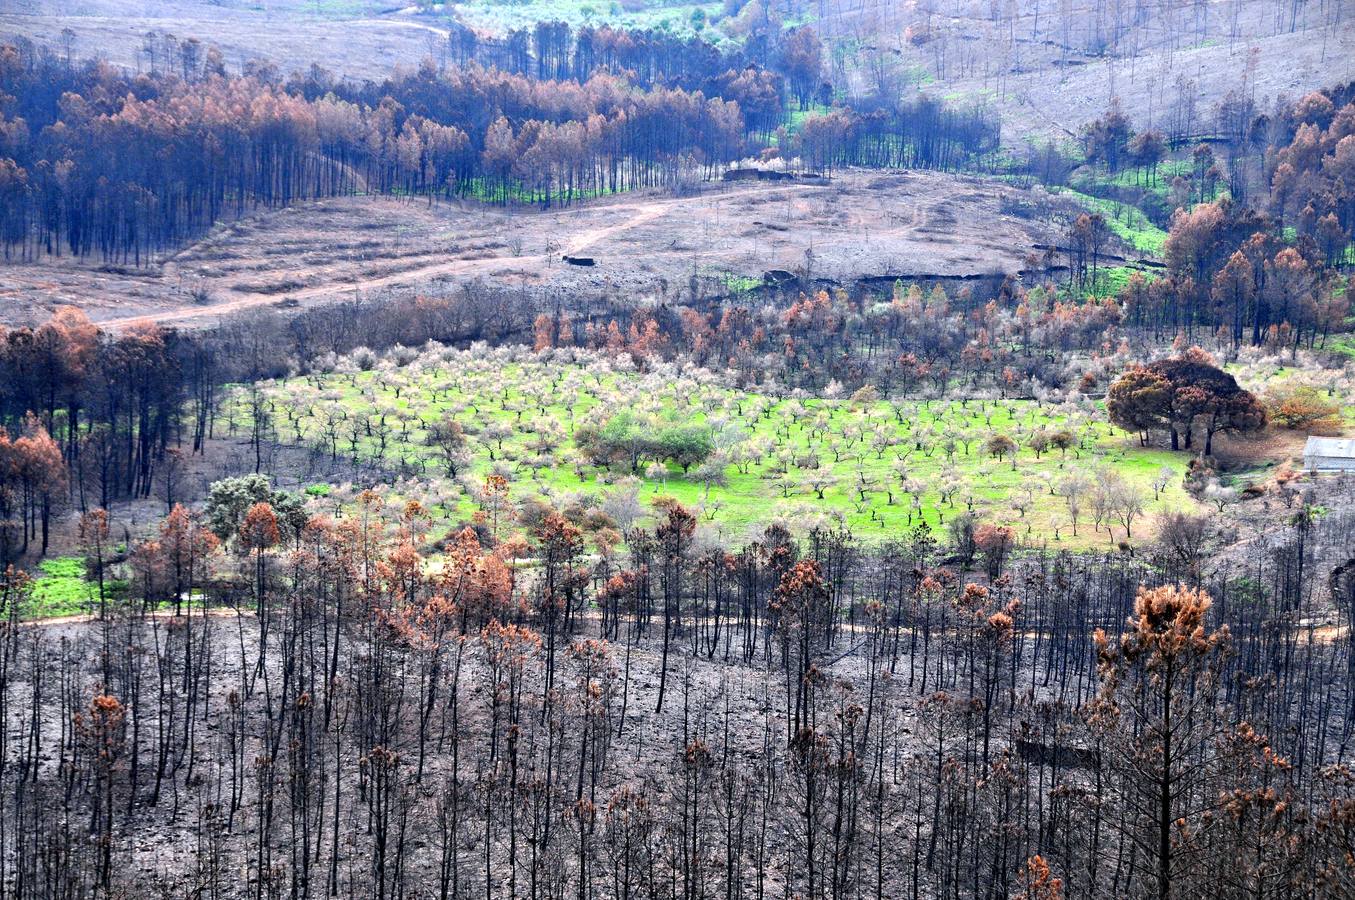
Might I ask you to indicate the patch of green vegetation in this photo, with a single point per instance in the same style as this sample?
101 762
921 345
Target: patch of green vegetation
1342 343
679 18
739 284
795 117
1136 177
795 120
482 189
61 588
1110 280
1127 222
879 466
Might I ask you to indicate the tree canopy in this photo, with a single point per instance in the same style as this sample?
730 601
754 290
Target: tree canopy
1180 395
628 439
230 500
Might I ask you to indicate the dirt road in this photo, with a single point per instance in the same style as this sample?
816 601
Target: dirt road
909 225
191 312
216 612
1322 634
642 212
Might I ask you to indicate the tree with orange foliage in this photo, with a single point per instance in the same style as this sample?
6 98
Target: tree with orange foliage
1038 882
102 730
32 480
801 615
1303 406
985 632
1233 292
187 547
1158 723
647 342
259 533
404 574
471 585
673 538
259 530
995 542
543 332
478 584
148 570
94 543
560 544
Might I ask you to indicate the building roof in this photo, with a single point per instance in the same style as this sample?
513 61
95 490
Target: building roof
1339 448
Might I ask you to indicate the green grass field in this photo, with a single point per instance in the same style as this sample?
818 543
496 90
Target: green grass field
520 415
60 589
1127 222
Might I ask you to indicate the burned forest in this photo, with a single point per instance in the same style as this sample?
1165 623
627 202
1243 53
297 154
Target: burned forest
655 450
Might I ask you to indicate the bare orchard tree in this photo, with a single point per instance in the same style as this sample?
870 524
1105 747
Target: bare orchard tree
1074 488
1123 499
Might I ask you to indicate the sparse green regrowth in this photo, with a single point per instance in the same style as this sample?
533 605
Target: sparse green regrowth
1110 280
61 588
1160 185
740 284
500 16
1129 223
795 117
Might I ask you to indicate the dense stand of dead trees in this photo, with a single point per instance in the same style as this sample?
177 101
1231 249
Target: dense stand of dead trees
98 162
127 166
86 418
326 715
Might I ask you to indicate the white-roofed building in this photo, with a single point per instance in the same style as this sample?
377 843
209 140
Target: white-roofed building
1323 454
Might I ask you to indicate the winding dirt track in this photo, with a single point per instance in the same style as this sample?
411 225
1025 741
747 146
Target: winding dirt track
400 23
644 212
883 225
190 312
1322 634
216 612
